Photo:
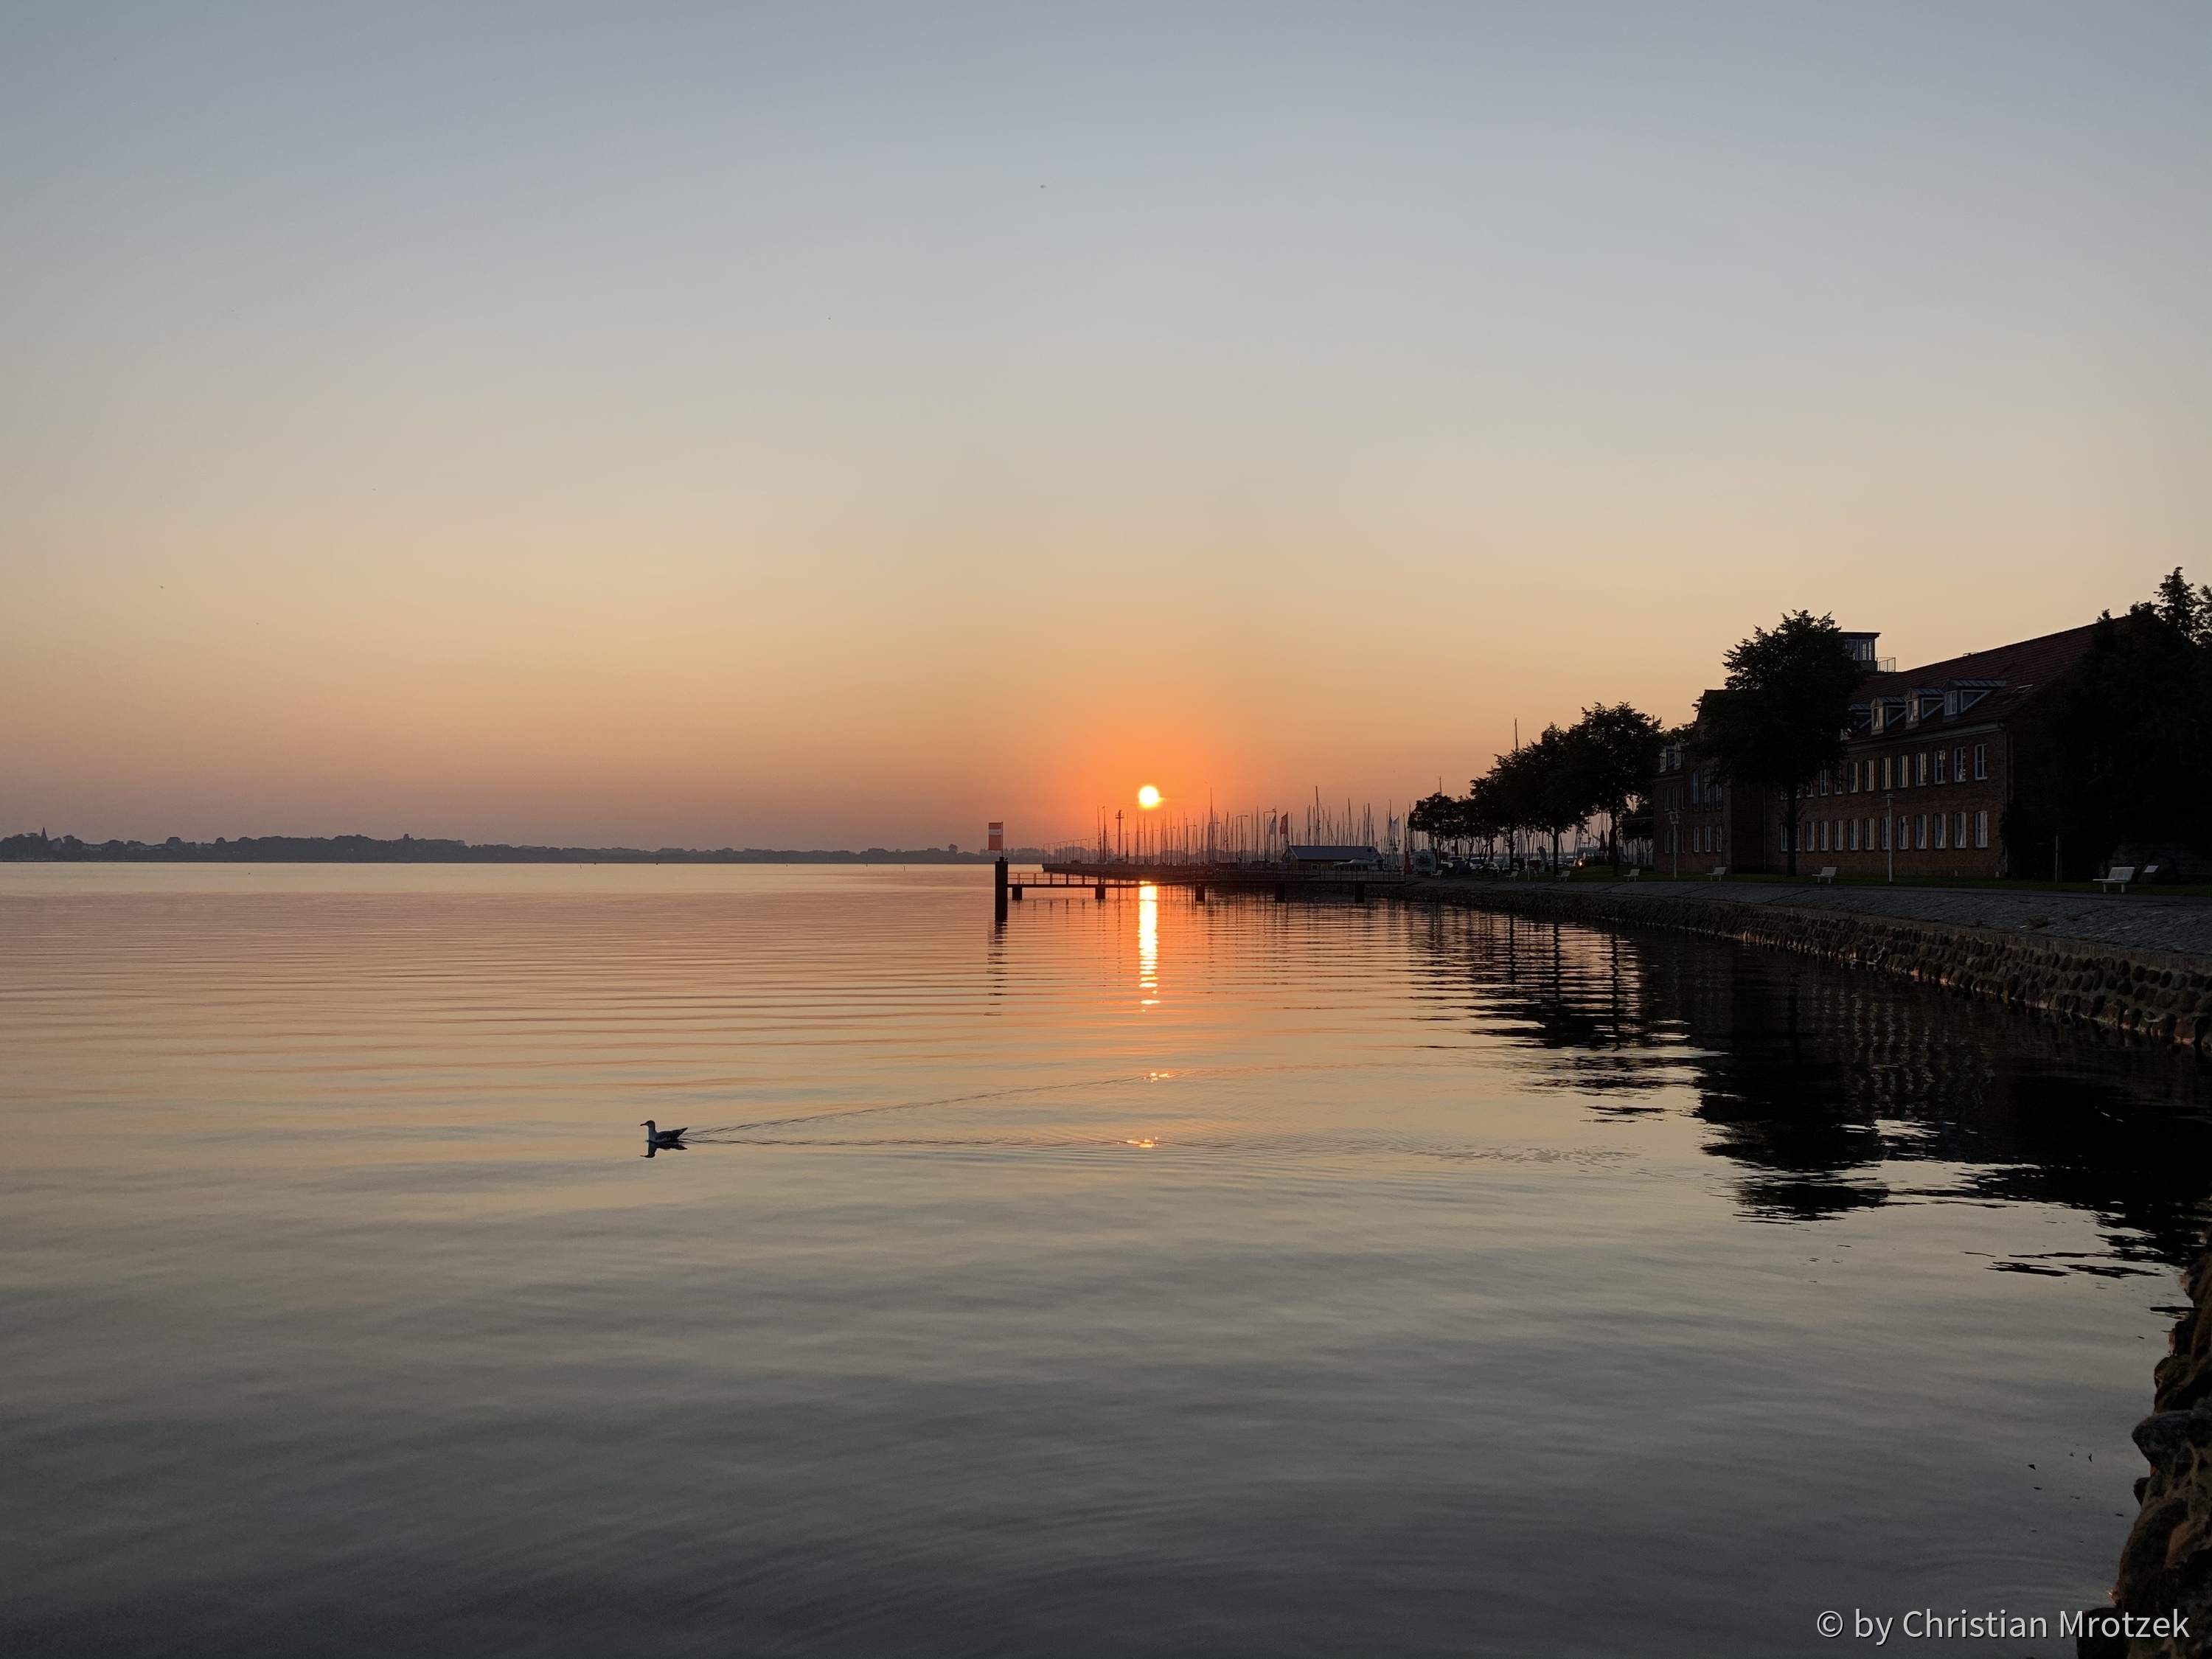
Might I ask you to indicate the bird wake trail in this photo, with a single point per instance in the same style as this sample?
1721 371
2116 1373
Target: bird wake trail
731 1130
732 1133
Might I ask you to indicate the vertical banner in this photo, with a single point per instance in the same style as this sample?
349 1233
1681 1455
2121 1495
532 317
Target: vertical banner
998 833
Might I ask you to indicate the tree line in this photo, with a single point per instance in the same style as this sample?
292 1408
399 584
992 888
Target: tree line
1780 719
1602 764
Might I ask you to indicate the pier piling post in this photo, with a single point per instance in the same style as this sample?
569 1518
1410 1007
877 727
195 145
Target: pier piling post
1099 892
999 891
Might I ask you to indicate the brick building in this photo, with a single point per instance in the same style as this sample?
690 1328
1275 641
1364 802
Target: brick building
1933 757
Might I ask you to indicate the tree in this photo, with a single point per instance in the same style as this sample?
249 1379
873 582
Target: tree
1509 792
1780 719
1600 765
1482 815
2186 610
1439 816
1615 753
1544 784
1434 816
2125 745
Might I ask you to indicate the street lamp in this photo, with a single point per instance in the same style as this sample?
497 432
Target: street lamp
1889 830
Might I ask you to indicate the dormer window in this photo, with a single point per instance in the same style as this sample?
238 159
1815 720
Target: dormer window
1861 717
1959 695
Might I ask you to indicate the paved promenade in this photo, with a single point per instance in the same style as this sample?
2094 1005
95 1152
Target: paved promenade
2140 920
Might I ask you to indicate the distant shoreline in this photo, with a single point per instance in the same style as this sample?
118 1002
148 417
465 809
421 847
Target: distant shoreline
41 849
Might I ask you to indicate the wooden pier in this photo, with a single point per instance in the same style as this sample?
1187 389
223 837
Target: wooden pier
1282 881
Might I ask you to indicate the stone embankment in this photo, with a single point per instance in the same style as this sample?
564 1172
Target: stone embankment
2095 966
2166 1566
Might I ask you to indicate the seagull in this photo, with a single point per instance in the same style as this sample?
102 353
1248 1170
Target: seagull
654 1137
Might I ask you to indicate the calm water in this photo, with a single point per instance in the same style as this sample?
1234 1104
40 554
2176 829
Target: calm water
1148 1278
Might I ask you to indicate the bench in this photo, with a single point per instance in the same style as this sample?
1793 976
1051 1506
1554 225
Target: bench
1632 872
1720 873
2121 875
1827 874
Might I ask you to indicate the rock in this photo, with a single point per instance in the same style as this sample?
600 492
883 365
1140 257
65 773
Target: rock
2162 1437
2165 1567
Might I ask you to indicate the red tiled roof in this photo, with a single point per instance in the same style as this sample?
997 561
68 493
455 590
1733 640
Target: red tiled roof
2031 662
2026 668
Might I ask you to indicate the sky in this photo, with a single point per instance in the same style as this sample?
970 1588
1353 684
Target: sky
838 425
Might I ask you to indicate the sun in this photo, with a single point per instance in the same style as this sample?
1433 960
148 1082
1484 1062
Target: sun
1148 797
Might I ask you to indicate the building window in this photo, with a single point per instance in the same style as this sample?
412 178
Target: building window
1981 771
1720 837
1942 767
1942 822
1923 768
1957 829
1885 834
1885 771
1959 765
1854 777
1855 834
1981 819
1903 833
1920 832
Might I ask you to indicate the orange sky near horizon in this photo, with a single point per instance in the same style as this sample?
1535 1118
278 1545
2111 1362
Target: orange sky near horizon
763 432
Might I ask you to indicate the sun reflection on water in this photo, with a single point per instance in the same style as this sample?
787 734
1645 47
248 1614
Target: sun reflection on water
1148 943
